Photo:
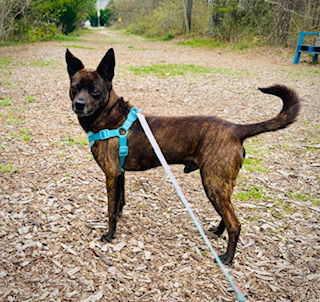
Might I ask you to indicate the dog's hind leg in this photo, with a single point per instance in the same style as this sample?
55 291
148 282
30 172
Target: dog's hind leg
219 192
114 191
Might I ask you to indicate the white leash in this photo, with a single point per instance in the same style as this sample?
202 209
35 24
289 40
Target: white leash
165 165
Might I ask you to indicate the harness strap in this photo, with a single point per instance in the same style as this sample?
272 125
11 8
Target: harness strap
120 132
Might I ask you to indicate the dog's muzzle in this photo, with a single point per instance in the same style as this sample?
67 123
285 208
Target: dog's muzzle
79 105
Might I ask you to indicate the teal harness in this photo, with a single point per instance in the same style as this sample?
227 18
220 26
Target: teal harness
121 132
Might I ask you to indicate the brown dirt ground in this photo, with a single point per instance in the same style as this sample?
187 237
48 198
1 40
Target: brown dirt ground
53 198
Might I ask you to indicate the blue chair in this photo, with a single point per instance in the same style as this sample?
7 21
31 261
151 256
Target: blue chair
313 49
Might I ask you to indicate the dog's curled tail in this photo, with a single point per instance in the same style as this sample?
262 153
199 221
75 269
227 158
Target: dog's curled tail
288 114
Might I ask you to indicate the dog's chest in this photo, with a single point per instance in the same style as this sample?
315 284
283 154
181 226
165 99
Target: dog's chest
106 154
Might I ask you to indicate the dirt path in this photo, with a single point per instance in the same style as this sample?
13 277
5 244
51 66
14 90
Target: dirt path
53 199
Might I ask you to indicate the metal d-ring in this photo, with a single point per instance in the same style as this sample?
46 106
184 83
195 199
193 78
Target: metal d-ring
122 131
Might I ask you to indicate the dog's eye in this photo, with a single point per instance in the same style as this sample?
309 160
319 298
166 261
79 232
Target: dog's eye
95 92
75 90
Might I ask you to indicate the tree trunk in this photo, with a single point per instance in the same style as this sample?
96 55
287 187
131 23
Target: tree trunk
187 7
315 15
215 17
282 22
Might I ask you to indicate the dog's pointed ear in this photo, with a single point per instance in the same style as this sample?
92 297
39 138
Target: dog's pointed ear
106 66
73 63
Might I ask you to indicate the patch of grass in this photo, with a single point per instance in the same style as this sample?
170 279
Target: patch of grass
23 107
210 43
202 43
312 149
255 218
6 83
42 63
5 102
90 156
30 99
313 70
285 206
169 70
253 164
254 147
10 43
70 38
8 169
24 134
138 48
167 37
62 154
6 61
72 141
253 192
314 200
232 71
14 121
78 46
252 161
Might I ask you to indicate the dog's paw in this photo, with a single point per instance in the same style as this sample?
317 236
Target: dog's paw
108 237
216 231
226 259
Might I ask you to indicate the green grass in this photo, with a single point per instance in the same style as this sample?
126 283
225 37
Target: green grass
24 134
6 83
254 148
253 164
30 99
14 121
253 192
6 61
42 63
314 200
209 43
255 218
167 37
69 38
285 206
72 141
202 43
138 48
232 71
62 154
169 70
7 169
313 70
5 102
10 43
78 46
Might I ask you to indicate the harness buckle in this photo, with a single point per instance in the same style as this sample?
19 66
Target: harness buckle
104 134
123 150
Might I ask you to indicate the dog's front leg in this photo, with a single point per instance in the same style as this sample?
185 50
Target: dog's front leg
115 191
121 202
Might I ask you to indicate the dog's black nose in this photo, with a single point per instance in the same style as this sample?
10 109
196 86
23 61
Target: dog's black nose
79 104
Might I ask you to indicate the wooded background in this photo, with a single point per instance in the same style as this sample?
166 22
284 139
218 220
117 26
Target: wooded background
257 22
261 21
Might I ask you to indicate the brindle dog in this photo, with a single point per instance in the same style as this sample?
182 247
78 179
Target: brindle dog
208 143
